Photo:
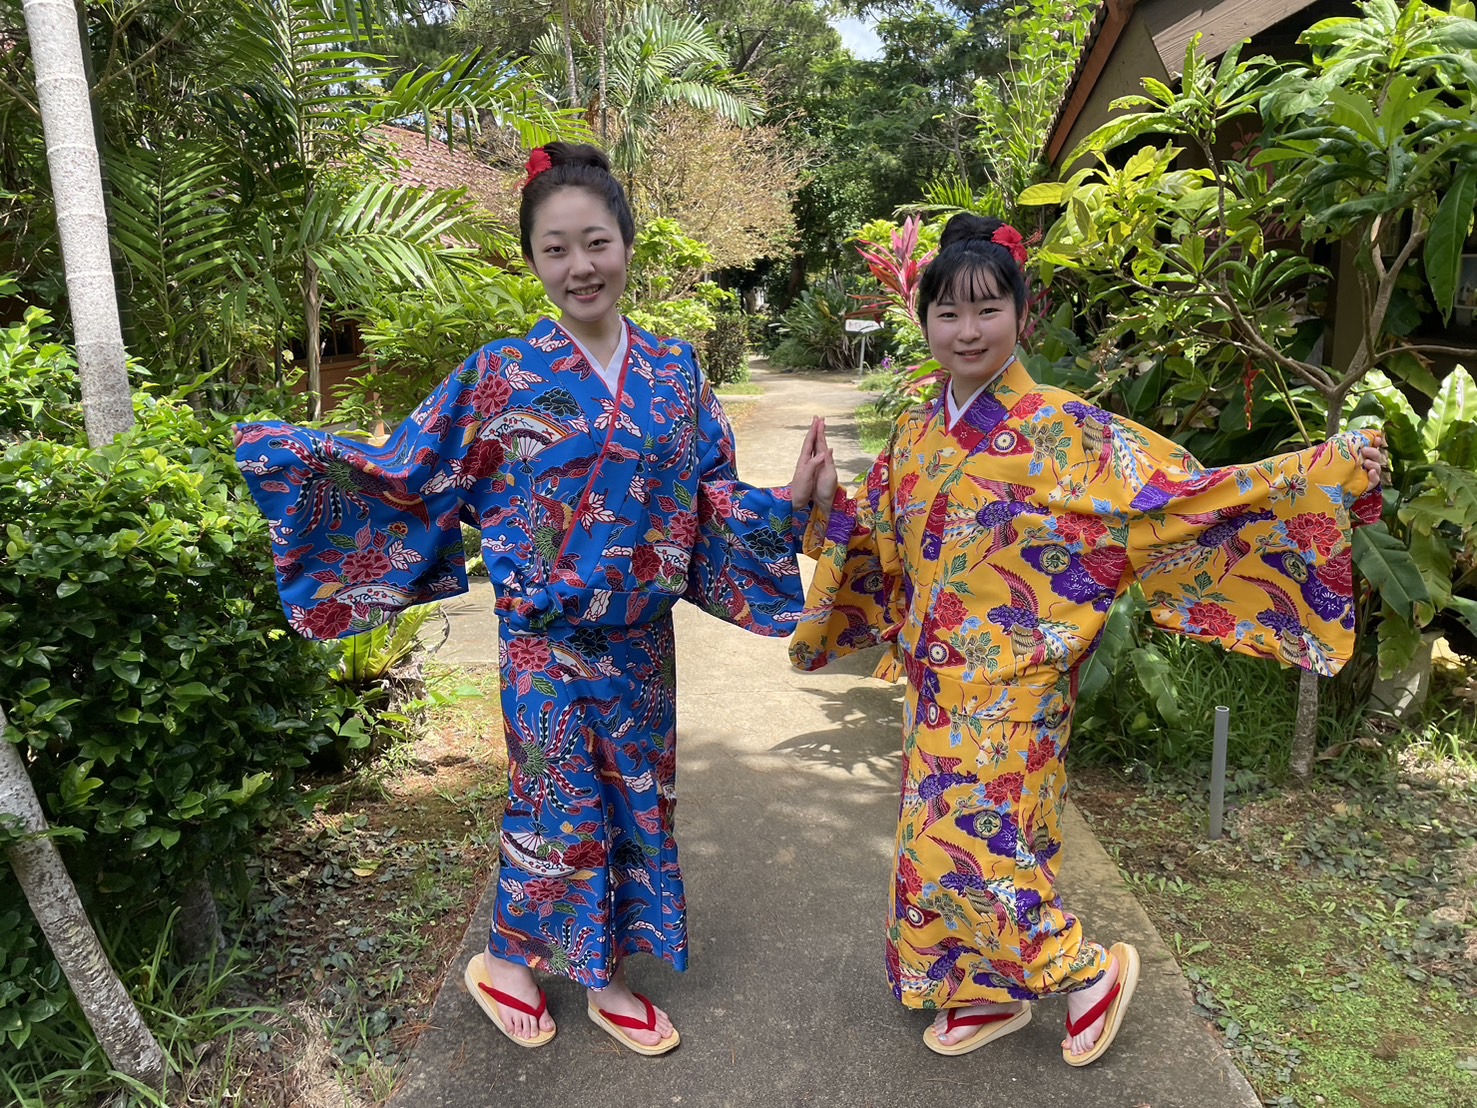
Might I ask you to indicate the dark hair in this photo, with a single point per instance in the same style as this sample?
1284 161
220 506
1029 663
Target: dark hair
575 165
971 264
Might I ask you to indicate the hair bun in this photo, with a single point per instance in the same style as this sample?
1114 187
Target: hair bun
577 153
966 227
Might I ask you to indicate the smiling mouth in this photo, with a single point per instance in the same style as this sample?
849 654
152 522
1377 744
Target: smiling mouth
588 290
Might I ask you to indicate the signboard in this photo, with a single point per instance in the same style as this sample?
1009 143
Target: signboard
862 326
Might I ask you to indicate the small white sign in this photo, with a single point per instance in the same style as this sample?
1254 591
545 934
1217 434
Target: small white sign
862 326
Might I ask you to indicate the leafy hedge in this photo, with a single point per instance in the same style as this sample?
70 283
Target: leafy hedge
161 704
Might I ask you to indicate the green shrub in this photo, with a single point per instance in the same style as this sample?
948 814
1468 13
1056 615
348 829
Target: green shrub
814 330
725 351
414 339
161 704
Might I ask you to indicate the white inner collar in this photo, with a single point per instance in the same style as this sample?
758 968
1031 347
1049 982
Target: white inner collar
609 373
952 413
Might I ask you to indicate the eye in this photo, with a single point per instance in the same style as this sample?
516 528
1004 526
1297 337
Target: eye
597 244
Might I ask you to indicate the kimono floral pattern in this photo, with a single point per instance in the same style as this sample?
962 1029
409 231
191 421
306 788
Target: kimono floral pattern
598 512
988 556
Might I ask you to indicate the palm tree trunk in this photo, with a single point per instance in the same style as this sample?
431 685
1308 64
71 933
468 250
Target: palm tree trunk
82 223
574 92
600 18
107 407
110 1011
313 321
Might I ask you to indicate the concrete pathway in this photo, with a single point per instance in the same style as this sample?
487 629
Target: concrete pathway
788 797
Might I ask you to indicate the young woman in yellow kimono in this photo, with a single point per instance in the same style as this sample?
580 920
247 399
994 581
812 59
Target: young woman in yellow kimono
993 536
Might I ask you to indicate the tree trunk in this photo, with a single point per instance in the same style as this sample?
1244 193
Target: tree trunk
1305 731
574 91
107 405
600 28
197 928
313 320
82 223
110 1011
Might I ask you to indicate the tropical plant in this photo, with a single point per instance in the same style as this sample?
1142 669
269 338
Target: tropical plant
1016 107
253 185
1222 296
896 257
653 60
814 329
414 338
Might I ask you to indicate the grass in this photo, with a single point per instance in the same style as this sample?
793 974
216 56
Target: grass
874 427
740 388
876 381
1329 937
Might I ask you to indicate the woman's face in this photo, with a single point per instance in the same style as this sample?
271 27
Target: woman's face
972 332
580 258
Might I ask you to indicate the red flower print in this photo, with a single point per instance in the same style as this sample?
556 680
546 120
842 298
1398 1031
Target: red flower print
1031 949
545 890
1040 755
908 878
587 854
490 395
1338 574
646 563
529 655
1013 970
328 620
485 458
366 565
906 486
684 529
1027 406
720 499
1212 619
1005 789
949 610
1313 530
1085 529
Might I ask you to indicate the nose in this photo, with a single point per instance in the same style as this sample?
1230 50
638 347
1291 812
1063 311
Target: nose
969 326
580 262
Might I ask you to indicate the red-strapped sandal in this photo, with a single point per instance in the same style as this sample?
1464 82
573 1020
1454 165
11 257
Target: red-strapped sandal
992 1026
1115 1004
612 1022
485 995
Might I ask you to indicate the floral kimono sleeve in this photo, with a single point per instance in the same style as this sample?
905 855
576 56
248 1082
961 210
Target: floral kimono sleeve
743 568
856 598
1255 557
360 533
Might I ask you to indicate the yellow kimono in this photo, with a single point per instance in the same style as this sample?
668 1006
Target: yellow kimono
990 555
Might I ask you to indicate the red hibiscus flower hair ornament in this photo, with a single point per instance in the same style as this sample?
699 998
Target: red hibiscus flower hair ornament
538 161
1008 237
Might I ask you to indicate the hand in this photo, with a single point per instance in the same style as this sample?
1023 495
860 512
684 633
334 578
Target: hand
1375 459
814 483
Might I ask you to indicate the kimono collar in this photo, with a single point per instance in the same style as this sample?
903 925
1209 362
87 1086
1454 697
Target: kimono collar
988 407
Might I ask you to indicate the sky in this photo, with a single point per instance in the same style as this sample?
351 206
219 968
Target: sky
859 36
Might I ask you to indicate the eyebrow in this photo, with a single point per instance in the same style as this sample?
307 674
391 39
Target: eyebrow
597 228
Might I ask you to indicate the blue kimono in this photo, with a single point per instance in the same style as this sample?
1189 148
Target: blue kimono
597 514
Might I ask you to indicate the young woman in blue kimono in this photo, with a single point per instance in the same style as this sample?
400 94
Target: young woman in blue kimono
599 467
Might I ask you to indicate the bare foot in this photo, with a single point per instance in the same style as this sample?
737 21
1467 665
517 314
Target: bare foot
949 1038
1080 1002
617 998
516 980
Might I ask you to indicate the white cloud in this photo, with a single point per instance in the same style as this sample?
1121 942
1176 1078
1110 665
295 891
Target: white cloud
859 37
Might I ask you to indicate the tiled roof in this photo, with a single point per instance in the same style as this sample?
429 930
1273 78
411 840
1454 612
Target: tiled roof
432 165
